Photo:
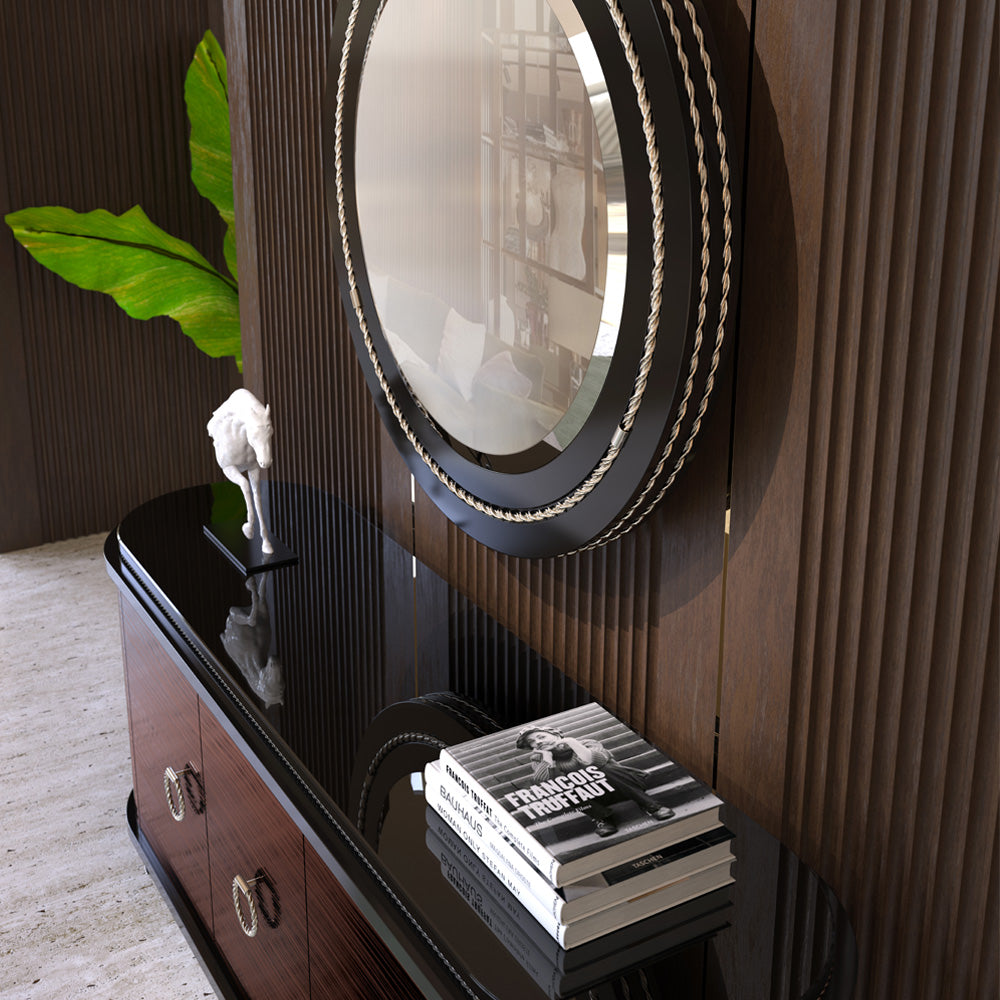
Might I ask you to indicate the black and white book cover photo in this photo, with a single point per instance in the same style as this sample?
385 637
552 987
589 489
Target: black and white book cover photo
581 781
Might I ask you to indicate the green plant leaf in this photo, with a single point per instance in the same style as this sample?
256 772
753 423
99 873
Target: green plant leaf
206 94
147 271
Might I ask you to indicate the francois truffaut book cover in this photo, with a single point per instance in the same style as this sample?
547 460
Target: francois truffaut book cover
581 781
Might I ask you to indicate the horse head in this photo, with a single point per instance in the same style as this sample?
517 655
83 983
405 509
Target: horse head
259 434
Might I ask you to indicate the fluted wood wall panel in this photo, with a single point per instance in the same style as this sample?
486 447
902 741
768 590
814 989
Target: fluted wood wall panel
886 580
101 411
299 353
841 662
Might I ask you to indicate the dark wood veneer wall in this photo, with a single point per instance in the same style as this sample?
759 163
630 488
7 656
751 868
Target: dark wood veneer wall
99 411
832 661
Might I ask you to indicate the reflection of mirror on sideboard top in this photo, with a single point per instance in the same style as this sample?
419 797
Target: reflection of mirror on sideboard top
535 207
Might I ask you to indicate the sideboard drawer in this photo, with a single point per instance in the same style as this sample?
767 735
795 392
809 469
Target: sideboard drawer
164 729
254 839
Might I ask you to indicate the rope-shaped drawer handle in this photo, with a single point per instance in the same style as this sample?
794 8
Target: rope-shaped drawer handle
241 888
175 794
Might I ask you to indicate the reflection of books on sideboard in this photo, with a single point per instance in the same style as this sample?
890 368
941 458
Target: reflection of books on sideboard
558 971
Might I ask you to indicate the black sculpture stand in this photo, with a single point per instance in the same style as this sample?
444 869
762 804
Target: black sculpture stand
246 554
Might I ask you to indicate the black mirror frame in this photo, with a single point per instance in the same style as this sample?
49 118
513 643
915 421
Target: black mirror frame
681 196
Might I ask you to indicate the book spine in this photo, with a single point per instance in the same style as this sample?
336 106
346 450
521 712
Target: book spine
537 855
487 843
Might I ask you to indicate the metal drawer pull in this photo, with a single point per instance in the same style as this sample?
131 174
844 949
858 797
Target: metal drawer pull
241 887
174 792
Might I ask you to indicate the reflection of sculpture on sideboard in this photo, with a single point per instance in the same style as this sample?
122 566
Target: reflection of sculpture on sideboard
247 640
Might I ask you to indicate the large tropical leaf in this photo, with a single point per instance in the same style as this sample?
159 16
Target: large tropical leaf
147 271
206 94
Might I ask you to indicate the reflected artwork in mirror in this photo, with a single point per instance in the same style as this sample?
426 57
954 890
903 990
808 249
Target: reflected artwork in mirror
534 208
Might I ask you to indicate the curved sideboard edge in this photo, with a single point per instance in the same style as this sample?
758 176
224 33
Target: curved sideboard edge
351 863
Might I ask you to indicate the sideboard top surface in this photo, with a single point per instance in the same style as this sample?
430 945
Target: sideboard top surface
342 673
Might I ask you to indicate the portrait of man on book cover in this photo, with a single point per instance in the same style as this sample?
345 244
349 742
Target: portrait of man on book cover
556 756
581 780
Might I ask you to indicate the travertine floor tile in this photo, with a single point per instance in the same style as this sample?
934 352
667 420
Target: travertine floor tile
81 918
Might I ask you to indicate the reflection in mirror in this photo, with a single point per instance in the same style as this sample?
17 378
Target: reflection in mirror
490 205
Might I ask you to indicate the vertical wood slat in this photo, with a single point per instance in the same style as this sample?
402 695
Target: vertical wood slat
623 620
789 116
948 514
23 524
92 113
243 142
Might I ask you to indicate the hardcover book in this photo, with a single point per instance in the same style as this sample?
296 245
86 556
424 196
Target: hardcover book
580 792
449 810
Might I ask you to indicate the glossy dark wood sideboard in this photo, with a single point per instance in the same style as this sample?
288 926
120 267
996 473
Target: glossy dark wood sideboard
295 708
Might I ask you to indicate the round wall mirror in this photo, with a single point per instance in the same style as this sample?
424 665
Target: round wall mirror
534 208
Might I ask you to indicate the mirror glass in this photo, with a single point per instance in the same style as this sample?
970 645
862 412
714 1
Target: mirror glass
491 209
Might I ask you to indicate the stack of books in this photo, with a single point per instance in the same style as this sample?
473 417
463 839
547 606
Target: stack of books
585 824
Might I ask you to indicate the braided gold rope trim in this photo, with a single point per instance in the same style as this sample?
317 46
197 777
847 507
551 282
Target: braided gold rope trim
376 762
628 419
626 522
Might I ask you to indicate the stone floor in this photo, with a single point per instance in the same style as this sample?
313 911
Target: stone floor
79 916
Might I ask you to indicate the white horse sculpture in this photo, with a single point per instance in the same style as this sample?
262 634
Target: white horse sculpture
241 430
